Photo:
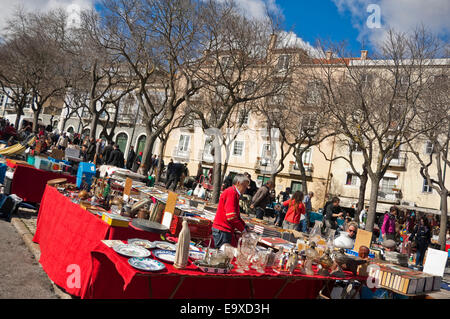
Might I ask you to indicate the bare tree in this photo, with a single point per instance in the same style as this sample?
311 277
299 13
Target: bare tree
433 164
375 102
38 40
241 68
159 42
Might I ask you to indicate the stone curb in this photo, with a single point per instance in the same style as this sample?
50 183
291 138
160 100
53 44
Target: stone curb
27 237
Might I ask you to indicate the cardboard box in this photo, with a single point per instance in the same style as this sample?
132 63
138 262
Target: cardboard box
115 220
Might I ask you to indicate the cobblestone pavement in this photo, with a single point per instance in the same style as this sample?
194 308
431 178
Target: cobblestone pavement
21 275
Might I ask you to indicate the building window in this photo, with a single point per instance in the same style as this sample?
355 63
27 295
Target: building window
183 144
244 117
426 188
283 62
306 158
428 147
351 180
238 148
263 179
122 141
354 147
296 186
388 184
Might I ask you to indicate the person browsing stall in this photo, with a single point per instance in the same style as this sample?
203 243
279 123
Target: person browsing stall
228 218
296 209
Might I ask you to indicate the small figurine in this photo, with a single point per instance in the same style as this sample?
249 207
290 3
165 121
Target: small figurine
311 256
326 263
292 262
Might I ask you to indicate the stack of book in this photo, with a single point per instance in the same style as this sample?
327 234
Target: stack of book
404 280
396 258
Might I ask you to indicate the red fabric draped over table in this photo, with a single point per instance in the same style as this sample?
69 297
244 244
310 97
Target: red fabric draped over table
67 234
29 182
113 278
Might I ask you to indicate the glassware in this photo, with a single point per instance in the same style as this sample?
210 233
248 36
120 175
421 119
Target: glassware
261 261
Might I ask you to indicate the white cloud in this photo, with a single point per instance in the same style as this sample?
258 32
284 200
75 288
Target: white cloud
401 15
291 40
10 6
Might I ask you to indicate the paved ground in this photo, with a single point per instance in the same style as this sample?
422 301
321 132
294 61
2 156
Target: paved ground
21 276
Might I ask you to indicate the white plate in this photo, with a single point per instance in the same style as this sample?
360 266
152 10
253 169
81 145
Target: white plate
165 245
194 248
197 255
165 255
146 264
131 251
142 243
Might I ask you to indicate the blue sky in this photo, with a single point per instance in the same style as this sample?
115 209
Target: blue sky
319 19
336 20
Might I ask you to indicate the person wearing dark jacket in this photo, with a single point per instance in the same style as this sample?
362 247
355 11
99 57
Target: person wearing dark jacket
137 162
422 236
261 199
252 188
107 152
91 150
332 212
281 213
174 175
116 157
130 158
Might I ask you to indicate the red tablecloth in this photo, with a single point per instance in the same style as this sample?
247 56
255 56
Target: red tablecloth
67 234
113 278
29 182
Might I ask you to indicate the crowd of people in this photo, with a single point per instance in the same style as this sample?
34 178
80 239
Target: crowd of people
292 210
399 231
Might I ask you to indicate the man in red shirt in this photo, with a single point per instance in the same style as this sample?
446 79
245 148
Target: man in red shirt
228 215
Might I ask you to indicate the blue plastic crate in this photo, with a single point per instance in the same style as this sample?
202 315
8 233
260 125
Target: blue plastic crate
3 168
355 253
86 171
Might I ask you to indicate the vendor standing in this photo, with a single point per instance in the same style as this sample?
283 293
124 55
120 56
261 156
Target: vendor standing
228 217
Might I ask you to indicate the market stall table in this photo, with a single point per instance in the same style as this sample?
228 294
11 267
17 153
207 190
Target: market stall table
113 278
67 234
29 183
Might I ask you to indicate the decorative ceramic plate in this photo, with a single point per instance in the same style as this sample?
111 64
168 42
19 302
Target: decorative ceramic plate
142 243
131 251
197 255
194 248
214 270
165 245
146 264
165 255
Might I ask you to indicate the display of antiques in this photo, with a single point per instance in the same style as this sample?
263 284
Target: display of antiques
345 262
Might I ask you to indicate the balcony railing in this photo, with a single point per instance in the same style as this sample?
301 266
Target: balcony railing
399 162
295 169
205 156
387 193
180 155
262 163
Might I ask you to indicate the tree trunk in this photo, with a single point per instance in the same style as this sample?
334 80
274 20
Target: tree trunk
362 194
162 146
94 123
444 219
148 149
375 182
217 182
36 119
18 117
